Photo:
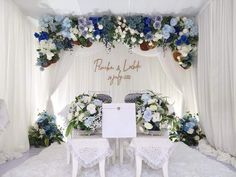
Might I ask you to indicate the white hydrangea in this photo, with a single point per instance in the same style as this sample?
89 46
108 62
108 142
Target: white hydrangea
156 117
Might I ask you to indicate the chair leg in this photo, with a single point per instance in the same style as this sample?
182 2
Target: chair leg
102 168
121 152
75 167
138 160
165 169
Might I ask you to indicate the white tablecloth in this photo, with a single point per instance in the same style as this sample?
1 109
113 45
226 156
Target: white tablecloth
4 118
89 151
155 151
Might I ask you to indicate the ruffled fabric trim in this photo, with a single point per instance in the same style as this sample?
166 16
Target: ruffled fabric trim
205 148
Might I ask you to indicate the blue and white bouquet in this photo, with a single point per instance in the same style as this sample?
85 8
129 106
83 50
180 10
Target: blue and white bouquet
45 131
188 130
85 113
153 112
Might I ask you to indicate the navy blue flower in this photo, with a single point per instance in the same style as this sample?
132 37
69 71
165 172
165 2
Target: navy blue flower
184 38
146 30
96 32
95 20
177 29
42 36
178 42
36 35
147 21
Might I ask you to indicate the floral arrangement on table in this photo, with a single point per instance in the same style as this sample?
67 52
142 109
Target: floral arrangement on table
85 113
153 112
188 130
58 33
45 131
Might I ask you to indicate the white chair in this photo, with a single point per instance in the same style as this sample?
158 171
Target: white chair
154 150
87 152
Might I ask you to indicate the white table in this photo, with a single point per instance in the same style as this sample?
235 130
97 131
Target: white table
155 151
87 152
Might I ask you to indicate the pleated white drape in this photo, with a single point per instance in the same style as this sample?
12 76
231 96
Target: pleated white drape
215 73
81 77
16 75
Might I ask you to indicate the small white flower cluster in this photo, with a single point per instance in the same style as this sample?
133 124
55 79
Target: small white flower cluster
46 47
86 110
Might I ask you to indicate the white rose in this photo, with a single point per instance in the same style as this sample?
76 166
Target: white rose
42 131
133 39
181 33
49 55
98 37
123 25
74 38
86 28
123 36
100 27
197 138
124 20
117 31
119 17
119 23
86 99
91 108
184 18
140 41
190 131
158 36
185 31
77 114
153 107
148 126
132 31
156 117
90 29
141 35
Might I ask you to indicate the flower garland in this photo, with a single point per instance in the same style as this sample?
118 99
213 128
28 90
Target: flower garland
153 112
58 33
45 131
85 113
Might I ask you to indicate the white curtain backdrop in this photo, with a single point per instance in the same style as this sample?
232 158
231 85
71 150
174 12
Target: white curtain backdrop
16 77
215 74
81 77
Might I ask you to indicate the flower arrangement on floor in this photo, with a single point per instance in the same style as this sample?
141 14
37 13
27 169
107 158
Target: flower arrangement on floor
45 131
153 112
188 130
85 113
58 33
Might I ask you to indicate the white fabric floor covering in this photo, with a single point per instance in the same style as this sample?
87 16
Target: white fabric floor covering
184 162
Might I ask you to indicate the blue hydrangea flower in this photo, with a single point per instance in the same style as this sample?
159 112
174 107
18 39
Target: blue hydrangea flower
146 30
166 35
45 21
66 24
168 29
149 36
145 97
188 23
194 31
59 18
97 102
147 115
173 22
88 122
188 125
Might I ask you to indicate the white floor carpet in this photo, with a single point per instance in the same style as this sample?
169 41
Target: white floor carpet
184 162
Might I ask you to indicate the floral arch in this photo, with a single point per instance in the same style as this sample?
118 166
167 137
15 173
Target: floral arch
60 33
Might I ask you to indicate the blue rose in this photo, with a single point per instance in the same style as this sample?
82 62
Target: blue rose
178 42
66 24
147 115
158 18
166 35
184 38
173 22
157 25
